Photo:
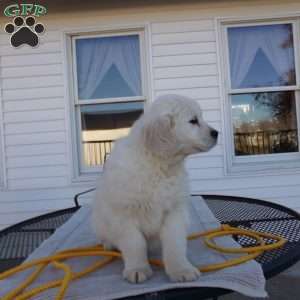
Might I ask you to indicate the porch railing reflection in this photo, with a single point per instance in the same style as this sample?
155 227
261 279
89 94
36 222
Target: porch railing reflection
266 142
95 152
246 143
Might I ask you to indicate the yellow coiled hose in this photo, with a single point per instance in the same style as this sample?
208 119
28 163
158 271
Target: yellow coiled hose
57 259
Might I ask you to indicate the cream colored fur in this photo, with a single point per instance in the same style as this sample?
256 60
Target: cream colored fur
142 194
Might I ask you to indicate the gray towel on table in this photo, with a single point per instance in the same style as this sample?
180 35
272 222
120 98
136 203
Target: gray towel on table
107 283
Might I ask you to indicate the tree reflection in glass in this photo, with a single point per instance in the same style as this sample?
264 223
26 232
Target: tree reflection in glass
264 123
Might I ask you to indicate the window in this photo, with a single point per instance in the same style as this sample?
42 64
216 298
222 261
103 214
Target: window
262 90
109 92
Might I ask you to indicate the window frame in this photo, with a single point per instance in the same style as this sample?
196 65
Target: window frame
258 162
3 175
80 171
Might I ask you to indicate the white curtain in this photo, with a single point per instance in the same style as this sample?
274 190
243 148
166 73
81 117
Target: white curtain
244 42
95 56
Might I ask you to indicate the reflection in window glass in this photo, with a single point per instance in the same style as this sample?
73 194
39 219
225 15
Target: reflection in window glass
102 124
264 123
108 67
261 56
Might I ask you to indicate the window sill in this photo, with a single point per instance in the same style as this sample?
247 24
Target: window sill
282 165
90 176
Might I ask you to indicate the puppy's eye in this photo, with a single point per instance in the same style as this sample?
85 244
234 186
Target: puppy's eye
194 121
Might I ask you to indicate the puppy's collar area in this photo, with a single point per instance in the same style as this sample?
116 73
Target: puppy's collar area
165 157
168 163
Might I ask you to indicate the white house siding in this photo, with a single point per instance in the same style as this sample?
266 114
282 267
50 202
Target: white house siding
37 161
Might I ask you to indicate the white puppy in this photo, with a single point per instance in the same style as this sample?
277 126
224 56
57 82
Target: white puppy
143 192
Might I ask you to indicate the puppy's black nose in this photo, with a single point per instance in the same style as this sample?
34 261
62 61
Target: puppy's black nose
214 133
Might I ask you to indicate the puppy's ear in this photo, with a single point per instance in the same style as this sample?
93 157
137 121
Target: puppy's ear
158 134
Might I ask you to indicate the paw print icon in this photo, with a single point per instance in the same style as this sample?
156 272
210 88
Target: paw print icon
24 31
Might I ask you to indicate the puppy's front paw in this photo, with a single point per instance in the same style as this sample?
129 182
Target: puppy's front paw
188 273
138 275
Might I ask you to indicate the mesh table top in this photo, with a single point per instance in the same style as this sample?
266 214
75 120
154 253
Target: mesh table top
18 241
265 217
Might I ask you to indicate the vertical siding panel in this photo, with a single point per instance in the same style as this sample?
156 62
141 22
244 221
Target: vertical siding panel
34 114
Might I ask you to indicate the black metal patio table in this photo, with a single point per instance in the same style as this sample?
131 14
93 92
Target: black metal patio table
18 241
